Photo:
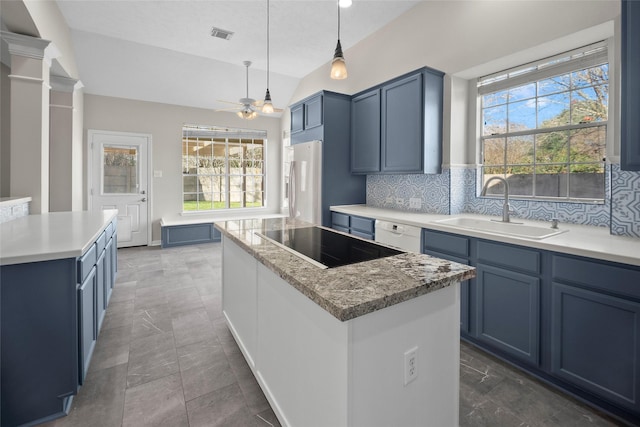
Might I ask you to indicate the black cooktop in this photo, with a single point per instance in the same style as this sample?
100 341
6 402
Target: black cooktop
328 247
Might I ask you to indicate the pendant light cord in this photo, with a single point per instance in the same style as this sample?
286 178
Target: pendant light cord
267 44
338 20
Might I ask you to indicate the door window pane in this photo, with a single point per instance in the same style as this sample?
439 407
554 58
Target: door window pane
120 169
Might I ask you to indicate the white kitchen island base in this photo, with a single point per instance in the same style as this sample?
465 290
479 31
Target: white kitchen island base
316 370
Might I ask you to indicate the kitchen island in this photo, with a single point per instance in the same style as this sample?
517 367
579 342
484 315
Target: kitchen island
374 343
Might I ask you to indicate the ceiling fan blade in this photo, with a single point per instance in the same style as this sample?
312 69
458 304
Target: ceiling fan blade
229 102
228 109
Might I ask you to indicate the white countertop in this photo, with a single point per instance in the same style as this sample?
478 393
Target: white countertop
51 236
195 218
581 240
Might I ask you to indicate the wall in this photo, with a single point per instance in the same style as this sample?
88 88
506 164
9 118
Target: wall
164 122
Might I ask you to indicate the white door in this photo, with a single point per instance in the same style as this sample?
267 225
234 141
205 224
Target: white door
119 181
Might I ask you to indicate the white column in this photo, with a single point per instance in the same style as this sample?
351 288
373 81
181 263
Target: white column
65 151
29 109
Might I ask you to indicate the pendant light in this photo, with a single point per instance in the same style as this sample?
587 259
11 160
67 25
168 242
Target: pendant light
338 66
267 107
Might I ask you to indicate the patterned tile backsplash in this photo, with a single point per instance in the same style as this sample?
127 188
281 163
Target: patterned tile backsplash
455 191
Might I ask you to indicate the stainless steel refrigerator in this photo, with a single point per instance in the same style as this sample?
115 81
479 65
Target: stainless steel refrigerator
304 181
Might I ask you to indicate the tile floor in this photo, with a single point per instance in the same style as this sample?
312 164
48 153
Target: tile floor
165 357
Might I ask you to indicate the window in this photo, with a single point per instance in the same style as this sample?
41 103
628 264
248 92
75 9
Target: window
544 126
222 168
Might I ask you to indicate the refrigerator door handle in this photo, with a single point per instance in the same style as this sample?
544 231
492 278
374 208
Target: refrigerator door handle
292 189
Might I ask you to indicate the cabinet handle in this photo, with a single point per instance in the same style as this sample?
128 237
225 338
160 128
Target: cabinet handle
144 199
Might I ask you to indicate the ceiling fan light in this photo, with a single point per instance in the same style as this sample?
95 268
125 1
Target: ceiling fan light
345 3
338 65
267 107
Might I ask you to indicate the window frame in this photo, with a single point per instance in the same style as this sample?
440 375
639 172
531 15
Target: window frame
589 56
229 137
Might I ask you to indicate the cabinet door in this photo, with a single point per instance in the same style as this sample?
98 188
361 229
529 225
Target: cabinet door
108 280
464 289
508 312
596 344
630 135
313 112
402 125
87 322
297 118
365 132
114 259
101 291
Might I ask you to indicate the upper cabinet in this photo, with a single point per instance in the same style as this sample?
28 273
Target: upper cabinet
396 127
307 114
630 135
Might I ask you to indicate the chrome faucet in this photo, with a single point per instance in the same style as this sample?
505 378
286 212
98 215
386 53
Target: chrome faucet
506 209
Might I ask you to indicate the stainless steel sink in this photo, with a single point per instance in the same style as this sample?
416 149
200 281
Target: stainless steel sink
505 228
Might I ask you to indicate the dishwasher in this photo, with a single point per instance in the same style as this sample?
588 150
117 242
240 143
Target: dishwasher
403 236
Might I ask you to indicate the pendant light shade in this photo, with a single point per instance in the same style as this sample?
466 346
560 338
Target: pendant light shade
338 65
267 107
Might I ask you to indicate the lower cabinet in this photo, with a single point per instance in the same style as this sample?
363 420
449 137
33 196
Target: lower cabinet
87 330
353 224
508 311
570 320
51 314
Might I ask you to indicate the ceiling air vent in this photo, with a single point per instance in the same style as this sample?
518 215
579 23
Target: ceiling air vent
221 34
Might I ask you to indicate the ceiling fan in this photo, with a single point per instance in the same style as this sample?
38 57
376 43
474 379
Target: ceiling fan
247 108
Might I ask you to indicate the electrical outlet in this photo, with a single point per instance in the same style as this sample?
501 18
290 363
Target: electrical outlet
415 203
399 201
410 365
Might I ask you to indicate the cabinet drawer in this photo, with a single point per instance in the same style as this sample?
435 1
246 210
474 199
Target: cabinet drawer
86 263
365 225
340 219
447 243
340 228
516 258
368 236
615 278
101 242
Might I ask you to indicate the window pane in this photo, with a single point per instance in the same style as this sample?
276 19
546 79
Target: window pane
189 184
120 170
521 183
590 76
587 184
495 120
554 85
496 186
551 181
552 147
494 151
522 92
254 199
522 115
494 99
589 104
588 145
190 202
553 110
520 150
218 183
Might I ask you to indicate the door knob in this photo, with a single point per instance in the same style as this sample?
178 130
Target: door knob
143 192
144 199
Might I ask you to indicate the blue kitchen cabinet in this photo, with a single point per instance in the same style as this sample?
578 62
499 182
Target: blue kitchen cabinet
365 132
595 331
353 224
297 118
630 61
306 115
87 322
404 134
402 126
508 311
51 314
456 249
327 119
572 321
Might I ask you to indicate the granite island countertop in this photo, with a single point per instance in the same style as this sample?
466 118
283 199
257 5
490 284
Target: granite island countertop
349 291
